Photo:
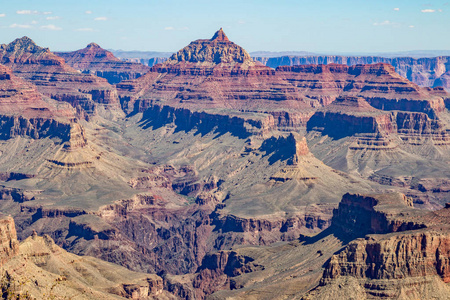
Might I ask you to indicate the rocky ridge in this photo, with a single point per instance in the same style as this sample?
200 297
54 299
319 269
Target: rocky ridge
426 72
97 61
55 79
219 49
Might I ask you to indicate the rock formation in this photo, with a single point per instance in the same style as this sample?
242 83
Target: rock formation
216 74
37 268
426 72
26 112
224 169
55 79
218 49
408 254
9 244
97 61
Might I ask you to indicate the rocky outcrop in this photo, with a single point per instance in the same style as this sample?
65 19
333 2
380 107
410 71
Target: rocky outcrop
12 126
415 128
360 214
217 270
16 195
349 116
415 254
236 224
432 72
56 273
97 61
406 249
219 49
8 239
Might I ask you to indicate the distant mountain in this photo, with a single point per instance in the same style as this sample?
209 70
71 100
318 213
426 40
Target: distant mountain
148 58
281 53
426 71
56 79
122 54
95 60
413 53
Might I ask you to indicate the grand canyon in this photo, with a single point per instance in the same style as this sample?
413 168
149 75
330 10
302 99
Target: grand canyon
217 175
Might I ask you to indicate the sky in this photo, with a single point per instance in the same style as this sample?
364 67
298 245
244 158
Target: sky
257 25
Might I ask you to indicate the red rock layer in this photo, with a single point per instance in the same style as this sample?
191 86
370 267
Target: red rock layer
23 111
218 75
54 78
378 84
407 251
419 247
95 60
432 71
414 254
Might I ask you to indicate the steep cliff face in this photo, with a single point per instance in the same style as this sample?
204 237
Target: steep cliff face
367 81
360 214
218 269
9 245
184 119
25 112
199 78
55 79
350 116
95 60
210 74
425 72
417 254
409 252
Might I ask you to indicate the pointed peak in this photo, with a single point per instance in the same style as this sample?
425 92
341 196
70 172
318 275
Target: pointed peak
220 36
23 41
25 44
93 45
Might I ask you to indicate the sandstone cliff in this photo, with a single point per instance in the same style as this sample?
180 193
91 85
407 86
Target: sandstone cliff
408 257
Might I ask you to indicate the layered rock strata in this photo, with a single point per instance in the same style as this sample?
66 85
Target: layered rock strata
25 112
97 61
406 250
426 72
55 79
217 76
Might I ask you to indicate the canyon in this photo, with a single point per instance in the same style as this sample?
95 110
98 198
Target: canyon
426 71
212 175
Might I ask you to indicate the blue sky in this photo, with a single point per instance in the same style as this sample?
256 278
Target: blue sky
278 25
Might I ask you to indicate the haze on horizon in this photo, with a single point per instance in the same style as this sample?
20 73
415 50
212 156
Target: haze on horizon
285 25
